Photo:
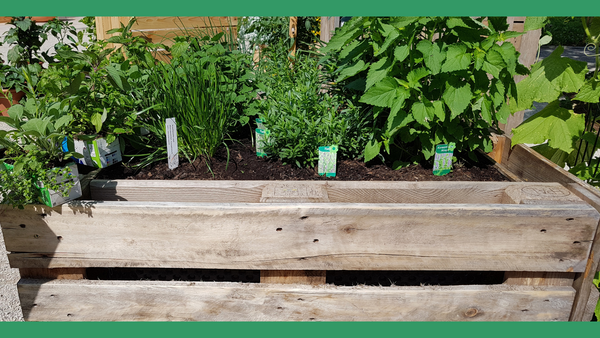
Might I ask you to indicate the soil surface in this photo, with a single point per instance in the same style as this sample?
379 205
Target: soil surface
245 165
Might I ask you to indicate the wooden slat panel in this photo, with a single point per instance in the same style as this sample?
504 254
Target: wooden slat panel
539 278
307 277
583 283
318 236
175 22
337 191
590 307
184 301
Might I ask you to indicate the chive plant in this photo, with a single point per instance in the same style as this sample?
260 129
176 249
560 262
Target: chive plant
199 98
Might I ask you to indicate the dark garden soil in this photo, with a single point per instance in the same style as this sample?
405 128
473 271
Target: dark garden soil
245 165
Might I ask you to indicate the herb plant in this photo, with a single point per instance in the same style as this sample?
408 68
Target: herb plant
430 80
300 115
32 157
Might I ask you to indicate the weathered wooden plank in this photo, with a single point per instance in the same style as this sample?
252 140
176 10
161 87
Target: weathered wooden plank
539 278
583 283
328 25
181 22
184 301
303 236
590 308
60 273
307 277
336 191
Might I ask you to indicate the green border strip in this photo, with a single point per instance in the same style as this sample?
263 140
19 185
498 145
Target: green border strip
303 330
304 8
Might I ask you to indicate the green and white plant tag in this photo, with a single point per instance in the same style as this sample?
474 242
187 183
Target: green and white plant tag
442 163
259 124
172 147
262 136
327 161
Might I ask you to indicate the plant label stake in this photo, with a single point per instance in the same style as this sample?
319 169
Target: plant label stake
259 124
327 161
261 138
442 163
172 148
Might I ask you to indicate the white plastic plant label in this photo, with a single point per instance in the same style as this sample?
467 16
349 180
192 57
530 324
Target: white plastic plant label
262 136
259 124
96 153
172 147
442 163
327 161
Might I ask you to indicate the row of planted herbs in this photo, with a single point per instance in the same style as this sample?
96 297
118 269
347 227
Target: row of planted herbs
382 89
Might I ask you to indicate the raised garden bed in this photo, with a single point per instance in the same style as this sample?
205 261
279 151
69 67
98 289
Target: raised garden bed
538 234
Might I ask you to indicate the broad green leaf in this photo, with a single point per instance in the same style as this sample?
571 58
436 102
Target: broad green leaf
63 121
104 116
387 93
498 93
397 120
456 22
494 62
402 21
18 167
118 80
590 91
378 71
372 149
498 23
73 88
348 32
457 58
544 40
561 127
422 113
179 48
503 113
433 56
23 24
96 121
457 98
390 40
535 22
479 57
16 112
38 125
510 57
415 75
352 70
401 52
354 49
486 110
549 79
555 155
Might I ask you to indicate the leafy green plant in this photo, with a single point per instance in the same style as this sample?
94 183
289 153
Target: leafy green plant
271 31
302 117
565 31
430 80
32 157
193 90
562 135
597 283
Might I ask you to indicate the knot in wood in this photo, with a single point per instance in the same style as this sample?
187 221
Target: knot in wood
472 312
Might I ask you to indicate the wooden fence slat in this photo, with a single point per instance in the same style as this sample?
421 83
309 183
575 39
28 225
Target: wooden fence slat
185 301
302 236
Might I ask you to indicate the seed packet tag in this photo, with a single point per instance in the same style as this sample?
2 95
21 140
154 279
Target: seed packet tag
259 124
327 161
172 148
442 163
262 136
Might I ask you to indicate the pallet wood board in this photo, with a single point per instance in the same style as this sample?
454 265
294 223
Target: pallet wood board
336 191
302 236
206 301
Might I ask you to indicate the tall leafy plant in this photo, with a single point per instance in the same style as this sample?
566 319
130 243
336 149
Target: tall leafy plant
430 80
563 135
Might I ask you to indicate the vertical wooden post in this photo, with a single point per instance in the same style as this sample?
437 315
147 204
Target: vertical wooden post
293 33
527 45
328 25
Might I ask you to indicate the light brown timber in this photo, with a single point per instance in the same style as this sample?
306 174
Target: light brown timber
59 273
307 277
184 301
302 236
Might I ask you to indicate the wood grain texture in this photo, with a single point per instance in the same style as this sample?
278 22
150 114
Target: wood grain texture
539 278
302 236
307 277
184 301
336 191
590 308
583 283
328 25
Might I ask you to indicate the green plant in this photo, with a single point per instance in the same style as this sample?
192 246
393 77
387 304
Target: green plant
563 135
271 31
32 157
430 80
300 116
194 91
597 283
565 31
26 38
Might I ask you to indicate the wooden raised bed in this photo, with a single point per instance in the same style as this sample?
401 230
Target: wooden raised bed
539 234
